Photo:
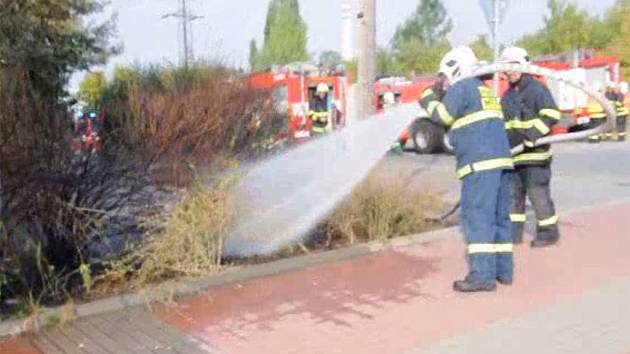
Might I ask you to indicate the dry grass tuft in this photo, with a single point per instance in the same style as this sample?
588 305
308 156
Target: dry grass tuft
380 209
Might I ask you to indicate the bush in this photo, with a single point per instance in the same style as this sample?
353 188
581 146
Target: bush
380 209
190 240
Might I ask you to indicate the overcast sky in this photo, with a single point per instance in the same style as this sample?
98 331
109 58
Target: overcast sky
227 26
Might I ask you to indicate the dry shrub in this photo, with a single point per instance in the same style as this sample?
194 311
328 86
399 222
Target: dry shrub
379 209
188 241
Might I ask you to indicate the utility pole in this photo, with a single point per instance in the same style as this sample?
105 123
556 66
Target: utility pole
495 38
367 58
185 18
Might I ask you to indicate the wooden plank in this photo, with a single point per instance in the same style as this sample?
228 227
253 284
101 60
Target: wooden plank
99 337
61 341
46 346
83 342
118 334
173 338
124 321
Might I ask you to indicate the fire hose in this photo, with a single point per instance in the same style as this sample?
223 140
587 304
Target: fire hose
610 123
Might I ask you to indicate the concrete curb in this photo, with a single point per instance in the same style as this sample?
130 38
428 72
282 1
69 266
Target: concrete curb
190 286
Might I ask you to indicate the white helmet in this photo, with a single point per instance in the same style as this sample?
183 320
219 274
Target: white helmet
322 88
389 98
515 55
458 62
623 88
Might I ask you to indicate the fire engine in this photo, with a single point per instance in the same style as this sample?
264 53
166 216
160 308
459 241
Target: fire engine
292 87
586 68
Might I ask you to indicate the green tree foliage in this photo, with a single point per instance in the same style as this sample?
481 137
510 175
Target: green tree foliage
619 27
420 42
429 23
92 88
566 28
482 48
331 58
253 54
285 36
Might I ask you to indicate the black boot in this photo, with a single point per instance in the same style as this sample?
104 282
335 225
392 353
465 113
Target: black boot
468 285
543 243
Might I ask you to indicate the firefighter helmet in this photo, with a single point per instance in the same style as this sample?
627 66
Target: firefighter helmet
322 88
458 63
515 55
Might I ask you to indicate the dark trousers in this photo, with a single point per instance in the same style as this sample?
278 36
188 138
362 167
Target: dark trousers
533 182
486 224
594 123
621 127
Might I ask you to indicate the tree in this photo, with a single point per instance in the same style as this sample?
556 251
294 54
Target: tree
285 35
566 28
419 43
330 58
482 48
41 44
253 54
430 24
92 88
619 27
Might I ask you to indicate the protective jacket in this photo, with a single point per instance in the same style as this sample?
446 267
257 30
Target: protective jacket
472 113
530 111
319 115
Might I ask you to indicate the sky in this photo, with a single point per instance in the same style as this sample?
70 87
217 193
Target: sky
227 27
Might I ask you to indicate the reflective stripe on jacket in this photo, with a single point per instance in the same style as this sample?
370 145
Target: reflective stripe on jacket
472 113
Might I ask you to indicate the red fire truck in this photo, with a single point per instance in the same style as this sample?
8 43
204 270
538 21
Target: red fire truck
292 88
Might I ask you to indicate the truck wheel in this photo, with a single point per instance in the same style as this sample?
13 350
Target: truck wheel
426 136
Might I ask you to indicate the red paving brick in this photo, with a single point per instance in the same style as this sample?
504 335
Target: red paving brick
18 345
401 299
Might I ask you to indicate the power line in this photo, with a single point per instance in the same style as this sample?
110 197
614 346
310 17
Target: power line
185 18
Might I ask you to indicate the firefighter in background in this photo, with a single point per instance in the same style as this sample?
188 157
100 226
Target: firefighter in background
597 114
472 113
319 111
616 98
530 112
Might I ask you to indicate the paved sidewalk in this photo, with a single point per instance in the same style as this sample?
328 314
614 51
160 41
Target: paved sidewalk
566 299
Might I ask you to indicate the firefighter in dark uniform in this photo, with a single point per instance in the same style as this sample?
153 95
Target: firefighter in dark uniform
472 113
597 115
530 112
319 111
622 113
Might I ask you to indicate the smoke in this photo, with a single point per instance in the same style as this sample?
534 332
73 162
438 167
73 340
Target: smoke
280 200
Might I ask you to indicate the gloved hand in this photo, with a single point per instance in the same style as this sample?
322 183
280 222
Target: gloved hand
438 89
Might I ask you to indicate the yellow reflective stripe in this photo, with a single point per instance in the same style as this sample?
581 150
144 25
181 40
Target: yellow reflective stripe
476 117
476 248
432 106
444 115
518 218
318 129
549 221
504 247
551 113
528 124
533 156
427 93
623 111
484 166
622 134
